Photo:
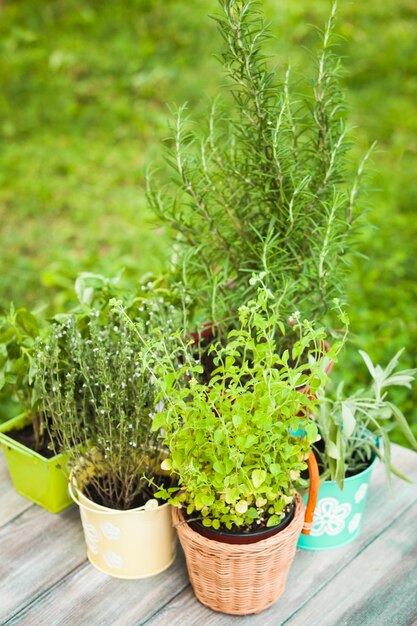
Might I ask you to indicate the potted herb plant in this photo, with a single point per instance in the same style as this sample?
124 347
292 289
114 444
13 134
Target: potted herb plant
36 471
351 427
262 184
99 403
234 452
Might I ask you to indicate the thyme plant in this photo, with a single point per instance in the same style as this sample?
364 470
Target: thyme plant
262 185
99 403
352 425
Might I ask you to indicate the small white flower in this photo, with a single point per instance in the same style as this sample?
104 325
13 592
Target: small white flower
295 316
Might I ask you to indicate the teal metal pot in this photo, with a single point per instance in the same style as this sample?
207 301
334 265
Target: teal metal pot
338 514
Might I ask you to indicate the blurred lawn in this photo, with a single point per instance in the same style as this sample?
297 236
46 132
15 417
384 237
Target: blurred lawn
82 111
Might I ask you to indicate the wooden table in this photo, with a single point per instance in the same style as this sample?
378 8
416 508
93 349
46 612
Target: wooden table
46 579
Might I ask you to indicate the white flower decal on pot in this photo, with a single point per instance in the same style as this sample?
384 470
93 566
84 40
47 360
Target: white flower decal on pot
110 531
113 560
330 517
151 505
361 493
354 523
91 537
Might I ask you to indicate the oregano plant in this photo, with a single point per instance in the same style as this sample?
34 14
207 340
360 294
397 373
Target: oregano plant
233 441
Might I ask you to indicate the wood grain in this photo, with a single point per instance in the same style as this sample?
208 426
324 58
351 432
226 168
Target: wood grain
89 598
11 504
379 586
37 549
44 576
312 571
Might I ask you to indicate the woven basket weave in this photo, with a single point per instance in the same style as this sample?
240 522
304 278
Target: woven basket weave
239 579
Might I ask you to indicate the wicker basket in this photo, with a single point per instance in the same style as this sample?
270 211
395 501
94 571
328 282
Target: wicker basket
244 579
239 579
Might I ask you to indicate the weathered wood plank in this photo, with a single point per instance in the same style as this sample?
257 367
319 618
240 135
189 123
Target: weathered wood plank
88 597
37 549
11 504
44 577
312 570
378 586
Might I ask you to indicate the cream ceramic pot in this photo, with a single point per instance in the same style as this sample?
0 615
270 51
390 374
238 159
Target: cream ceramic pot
127 544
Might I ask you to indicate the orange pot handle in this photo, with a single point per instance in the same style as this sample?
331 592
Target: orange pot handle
313 492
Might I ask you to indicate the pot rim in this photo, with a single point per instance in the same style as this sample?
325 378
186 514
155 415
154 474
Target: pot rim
105 510
241 538
5 440
362 473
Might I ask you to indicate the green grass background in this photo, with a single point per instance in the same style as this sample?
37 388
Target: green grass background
83 92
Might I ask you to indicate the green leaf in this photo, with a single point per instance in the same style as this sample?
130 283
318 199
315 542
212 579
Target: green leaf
403 425
258 477
275 468
219 467
311 432
218 436
252 513
251 440
158 421
274 520
27 322
332 450
349 422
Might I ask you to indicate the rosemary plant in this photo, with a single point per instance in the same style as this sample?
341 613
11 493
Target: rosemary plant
262 185
99 404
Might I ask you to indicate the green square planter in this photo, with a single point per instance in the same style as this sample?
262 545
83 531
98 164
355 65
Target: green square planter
44 481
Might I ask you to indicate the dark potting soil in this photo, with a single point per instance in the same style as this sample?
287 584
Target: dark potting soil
319 450
96 493
252 529
26 437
